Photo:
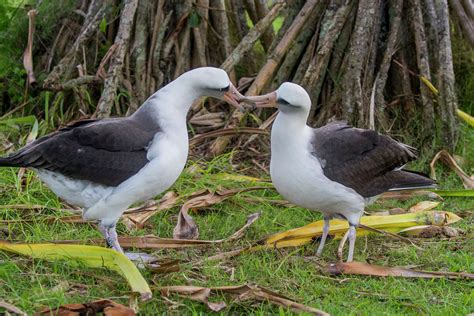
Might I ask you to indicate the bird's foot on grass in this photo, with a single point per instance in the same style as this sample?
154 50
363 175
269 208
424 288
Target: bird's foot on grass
141 258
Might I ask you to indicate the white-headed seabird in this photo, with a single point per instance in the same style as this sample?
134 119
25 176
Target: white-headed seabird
106 165
336 169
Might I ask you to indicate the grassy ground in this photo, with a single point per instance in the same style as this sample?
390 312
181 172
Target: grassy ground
31 284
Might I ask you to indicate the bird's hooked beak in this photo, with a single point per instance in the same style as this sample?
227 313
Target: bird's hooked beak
268 100
234 97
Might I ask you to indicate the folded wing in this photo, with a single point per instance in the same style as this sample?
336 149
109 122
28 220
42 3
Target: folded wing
102 151
364 160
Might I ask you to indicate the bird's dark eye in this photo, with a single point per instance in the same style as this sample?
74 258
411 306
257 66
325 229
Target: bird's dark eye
224 89
283 101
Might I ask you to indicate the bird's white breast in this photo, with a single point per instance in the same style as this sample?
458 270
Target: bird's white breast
298 176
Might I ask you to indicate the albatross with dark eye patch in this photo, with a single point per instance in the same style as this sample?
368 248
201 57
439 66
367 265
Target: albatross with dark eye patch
106 165
336 169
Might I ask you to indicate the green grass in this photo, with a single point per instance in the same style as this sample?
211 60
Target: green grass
31 284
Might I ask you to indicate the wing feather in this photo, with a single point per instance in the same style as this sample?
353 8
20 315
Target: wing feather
359 158
102 151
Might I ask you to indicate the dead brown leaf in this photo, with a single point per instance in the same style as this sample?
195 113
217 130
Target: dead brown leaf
361 268
137 217
448 160
105 307
11 309
196 293
186 228
153 242
164 266
242 293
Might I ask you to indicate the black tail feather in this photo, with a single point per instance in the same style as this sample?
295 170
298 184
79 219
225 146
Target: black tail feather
408 179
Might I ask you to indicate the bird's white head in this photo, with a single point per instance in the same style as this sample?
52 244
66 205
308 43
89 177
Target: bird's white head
213 82
288 98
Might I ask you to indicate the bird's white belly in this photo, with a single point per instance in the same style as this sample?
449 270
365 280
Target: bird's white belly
80 193
167 155
298 176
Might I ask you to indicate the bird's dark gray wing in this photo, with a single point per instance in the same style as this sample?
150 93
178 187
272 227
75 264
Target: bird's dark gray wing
102 151
364 160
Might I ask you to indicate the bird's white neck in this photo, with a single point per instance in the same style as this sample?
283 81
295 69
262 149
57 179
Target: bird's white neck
169 106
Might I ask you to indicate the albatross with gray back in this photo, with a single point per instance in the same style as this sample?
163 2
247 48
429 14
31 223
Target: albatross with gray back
336 169
106 165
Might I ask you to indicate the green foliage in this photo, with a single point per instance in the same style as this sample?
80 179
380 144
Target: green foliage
14 37
33 283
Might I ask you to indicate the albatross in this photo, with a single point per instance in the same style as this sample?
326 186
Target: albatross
336 169
106 165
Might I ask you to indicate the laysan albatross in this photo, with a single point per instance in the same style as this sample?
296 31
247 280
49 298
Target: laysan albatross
106 165
335 169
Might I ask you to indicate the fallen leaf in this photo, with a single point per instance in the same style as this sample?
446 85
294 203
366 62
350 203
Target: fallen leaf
390 223
243 292
105 307
138 216
162 267
423 206
448 160
11 309
154 242
186 228
91 256
360 268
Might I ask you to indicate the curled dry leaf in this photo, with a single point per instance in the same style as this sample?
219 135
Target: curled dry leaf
243 292
360 268
448 160
137 217
102 307
186 228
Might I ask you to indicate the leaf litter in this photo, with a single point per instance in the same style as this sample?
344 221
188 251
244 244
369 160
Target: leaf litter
103 307
448 160
361 268
241 292
186 228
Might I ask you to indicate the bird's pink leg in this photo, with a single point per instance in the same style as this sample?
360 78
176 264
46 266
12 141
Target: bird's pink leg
110 235
352 238
323 237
